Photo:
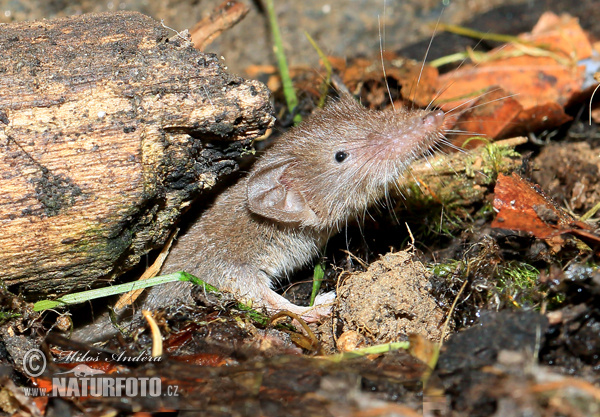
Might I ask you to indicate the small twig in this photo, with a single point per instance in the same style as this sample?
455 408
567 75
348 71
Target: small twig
313 339
356 258
522 47
223 17
472 33
128 298
370 350
446 323
566 383
597 78
157 345
590 213
412 238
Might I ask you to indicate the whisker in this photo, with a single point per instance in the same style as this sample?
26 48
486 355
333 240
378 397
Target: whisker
381 49
427 51
493 101
458 106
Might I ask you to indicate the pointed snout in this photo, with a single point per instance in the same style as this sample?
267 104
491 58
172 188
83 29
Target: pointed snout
434 119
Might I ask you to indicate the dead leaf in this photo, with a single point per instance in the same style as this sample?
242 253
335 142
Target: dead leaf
489 116
542 75
361 72
522 206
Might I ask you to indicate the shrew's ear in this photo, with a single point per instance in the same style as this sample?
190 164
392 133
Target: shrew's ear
270 196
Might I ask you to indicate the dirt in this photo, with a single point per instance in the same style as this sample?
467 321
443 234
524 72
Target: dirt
389 301
569 172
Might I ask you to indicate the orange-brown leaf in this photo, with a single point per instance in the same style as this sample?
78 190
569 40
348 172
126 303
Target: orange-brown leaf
522 206
543 79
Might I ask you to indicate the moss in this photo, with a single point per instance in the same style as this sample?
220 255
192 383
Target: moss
7 315
456 198
518 283
494 159
492 282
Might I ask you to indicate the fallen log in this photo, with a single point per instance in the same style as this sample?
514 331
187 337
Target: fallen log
108 130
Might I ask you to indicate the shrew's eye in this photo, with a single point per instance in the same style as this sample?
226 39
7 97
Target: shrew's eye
340 156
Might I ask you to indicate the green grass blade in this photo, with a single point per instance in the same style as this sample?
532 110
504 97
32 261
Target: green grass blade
84 296
286 80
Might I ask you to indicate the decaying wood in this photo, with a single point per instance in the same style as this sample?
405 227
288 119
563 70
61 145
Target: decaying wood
462 179
108 129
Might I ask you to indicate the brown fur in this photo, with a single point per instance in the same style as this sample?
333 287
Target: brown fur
297 195
277 218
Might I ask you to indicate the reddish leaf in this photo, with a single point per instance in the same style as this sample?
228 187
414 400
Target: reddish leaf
362 71
542 85
490 115
522 206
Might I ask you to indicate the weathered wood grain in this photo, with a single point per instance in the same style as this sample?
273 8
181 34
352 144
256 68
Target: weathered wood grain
108 129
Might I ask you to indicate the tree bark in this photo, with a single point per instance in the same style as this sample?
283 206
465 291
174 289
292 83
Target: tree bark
108 130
